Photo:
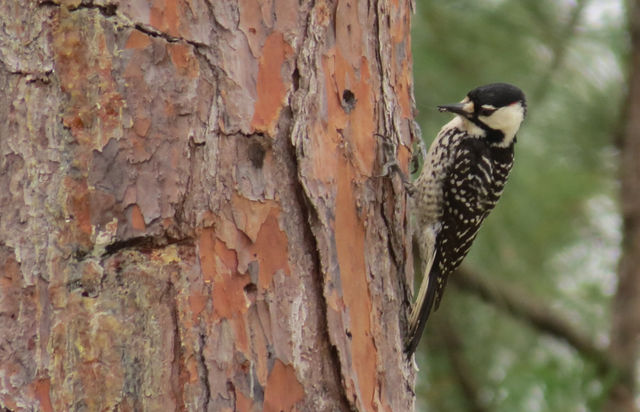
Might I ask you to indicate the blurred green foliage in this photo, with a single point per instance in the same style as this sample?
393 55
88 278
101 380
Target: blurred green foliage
555 232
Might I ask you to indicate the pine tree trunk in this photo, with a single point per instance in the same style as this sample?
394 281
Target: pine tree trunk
191 213
625 330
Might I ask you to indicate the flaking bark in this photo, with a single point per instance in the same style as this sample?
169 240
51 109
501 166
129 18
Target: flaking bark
191 213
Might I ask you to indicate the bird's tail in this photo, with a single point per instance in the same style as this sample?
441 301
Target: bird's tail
423 306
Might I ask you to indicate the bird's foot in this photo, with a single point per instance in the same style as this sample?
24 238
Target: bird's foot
389 149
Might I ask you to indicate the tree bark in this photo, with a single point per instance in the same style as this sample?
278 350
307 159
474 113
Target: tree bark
191 213
625 325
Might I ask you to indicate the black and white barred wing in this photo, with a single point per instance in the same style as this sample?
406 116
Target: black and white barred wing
469 193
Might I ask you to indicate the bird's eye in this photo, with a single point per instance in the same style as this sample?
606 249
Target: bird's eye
486 111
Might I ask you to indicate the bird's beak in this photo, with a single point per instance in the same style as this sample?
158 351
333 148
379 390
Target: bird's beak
464 108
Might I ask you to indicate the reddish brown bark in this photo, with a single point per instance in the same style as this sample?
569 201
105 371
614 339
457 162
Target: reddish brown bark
191 216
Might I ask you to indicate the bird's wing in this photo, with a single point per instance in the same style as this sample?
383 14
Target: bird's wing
422 307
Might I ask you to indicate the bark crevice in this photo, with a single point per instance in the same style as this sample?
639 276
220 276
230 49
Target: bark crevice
144 243
204 371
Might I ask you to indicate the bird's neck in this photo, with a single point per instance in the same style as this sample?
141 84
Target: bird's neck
466 126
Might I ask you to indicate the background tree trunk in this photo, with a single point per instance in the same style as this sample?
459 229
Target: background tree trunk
625 330
191 216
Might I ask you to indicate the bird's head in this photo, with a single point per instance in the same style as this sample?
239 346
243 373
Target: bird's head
494 111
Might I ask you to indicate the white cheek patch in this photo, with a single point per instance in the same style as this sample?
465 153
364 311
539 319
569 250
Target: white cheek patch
506 119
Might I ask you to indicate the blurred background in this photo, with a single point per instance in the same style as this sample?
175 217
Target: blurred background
527 324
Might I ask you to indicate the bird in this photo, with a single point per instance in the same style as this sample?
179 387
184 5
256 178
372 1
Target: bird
462 179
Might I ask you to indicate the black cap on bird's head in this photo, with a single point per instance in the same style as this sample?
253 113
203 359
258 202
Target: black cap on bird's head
494 95
497 95
497 108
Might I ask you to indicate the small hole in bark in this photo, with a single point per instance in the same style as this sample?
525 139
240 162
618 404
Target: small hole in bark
296 79
80 254
348 100
256 154
250 291
109 10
